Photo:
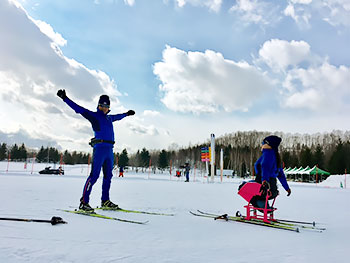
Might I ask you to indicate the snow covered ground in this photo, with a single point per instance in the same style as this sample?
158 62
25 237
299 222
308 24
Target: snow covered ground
181 238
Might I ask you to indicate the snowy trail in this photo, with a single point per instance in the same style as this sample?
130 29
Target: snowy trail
180 238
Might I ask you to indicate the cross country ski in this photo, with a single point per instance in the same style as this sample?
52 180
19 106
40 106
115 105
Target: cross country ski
276 223
94 214
118 209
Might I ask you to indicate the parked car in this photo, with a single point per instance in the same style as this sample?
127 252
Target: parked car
48 170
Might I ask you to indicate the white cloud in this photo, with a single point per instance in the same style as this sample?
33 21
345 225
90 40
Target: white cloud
335 12
206 82
151 113
126 2
143 129
280 54
213 5
309 81
48 30
304 2
22 136
299 12
28 54
256 12
129 2
33 68
321 88
338 12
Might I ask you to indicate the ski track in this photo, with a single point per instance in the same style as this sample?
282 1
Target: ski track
179 238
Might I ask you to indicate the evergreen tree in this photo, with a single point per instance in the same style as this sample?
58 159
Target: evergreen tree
286 159
15 155
163 160
85 159
319 157
3 151
145 158
22 153
75 157
294 160
243 170
41 157
80 158
67 158
347 156
54 155
306 157
123 160
337 162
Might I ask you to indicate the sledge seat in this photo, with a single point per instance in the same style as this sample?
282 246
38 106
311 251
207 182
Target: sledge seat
251 190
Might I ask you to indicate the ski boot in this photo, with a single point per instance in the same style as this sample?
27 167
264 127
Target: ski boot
85 207
109 205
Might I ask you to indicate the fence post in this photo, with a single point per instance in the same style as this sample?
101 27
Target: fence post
8 162
33 164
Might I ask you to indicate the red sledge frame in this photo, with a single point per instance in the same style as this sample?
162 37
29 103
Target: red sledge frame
248 191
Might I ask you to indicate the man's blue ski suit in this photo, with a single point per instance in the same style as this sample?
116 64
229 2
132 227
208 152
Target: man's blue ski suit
102 125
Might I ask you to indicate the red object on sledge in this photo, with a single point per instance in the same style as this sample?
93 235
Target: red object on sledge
248 191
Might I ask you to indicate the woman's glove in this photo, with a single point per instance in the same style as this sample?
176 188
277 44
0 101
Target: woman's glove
289 192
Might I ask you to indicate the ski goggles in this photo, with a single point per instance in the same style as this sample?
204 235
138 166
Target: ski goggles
104 105
264 142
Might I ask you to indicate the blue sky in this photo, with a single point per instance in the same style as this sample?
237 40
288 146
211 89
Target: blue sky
188 68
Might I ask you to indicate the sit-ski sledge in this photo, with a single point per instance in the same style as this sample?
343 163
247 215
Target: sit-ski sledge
251 192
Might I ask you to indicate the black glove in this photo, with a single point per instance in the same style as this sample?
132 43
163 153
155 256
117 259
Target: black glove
62 94
289 192
265 184
265 187
130 112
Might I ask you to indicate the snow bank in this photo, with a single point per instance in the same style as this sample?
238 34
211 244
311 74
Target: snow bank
337 181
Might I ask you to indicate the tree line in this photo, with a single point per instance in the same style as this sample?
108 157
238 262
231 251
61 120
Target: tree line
44 155
141 159
330 151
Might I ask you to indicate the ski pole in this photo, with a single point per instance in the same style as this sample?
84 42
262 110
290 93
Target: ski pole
54 220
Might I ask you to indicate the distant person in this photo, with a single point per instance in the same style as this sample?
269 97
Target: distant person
102 143
187 172
121 171
267 168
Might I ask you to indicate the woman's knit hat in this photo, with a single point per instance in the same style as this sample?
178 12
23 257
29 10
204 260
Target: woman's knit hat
272 140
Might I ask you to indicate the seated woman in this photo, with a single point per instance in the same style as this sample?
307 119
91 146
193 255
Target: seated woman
267 168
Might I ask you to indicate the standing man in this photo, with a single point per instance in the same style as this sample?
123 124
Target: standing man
102 125
187 171
121 171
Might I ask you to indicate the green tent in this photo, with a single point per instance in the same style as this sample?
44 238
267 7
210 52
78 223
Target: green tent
306 174
317 171
292 170
305 170
287 170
